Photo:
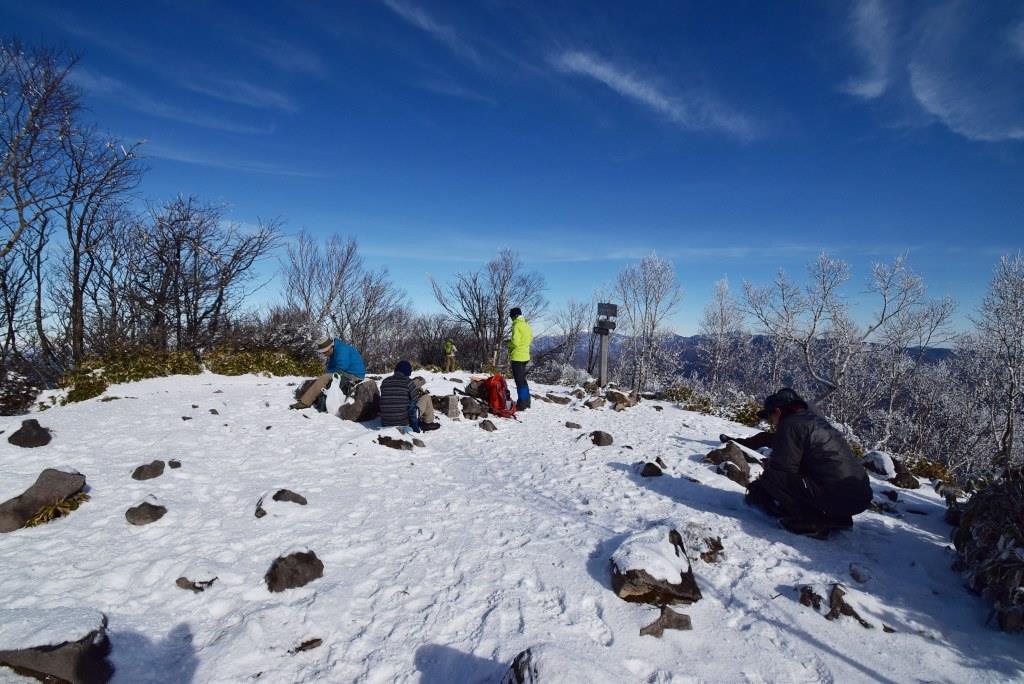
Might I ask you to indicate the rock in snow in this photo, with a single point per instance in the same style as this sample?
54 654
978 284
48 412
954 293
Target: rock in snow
652 567
30 435
600 438
880 463
149 471
50 487
144 514
294 570
669 619
550 664
60 644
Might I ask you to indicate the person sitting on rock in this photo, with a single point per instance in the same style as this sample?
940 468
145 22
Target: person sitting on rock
403 401
812 481
343 361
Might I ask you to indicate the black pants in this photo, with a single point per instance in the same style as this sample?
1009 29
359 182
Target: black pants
522 389
785 494
755 442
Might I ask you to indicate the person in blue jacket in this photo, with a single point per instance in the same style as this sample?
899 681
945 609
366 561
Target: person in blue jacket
343 360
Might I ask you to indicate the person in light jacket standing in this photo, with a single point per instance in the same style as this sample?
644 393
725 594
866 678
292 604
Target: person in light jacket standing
519 356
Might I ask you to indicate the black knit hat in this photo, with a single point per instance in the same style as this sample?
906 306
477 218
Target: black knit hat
516 312
404 368
784 397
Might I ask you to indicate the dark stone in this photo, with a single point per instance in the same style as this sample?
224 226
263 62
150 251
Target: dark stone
730 453
30 435
559 399
144 513
594 403
650 470
290 496
714 549
882 507
268 427
149 471
522 671
891 495
174 464
659 408
365 404
658 462
418 442
579 394
904 478
810 598
601 438
734 473
472 408
669 619
195 587
195 405
487 425
888 630
186 417
393 443
637 586
307 645
214 412
50 487
838 606
78 662
572 426
294 570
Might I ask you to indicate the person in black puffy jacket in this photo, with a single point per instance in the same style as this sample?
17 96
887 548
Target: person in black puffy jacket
812 481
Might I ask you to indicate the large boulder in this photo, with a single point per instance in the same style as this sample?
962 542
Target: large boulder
621 400
652 567
294 570
594 402
30 435
50 487
363 404
903 479
472 408
56 645
600 438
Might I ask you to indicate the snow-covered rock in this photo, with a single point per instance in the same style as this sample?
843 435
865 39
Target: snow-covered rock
652 567
66 643
880 463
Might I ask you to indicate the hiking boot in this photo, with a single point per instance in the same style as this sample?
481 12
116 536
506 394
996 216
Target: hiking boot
723 438
298 405
427 427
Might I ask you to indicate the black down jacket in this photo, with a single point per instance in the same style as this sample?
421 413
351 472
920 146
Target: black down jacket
806 444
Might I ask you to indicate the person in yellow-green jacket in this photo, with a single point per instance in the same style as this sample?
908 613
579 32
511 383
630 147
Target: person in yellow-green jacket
519 356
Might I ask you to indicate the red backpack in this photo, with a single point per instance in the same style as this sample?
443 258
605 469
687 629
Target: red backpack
499 400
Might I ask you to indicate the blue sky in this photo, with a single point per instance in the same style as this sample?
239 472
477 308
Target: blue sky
732 138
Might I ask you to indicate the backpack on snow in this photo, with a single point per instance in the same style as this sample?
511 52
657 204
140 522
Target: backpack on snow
498 398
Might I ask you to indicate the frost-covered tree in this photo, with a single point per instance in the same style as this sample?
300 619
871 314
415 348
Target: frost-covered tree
722 336
1000 339
649 294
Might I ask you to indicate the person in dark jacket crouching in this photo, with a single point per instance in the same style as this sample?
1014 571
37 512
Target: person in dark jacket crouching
812 481
403 402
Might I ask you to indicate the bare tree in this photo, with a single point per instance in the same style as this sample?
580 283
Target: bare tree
97 175
649 294
37 107
481 300
1000 328
317 280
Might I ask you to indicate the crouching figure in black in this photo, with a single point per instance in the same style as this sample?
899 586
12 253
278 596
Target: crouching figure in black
812 482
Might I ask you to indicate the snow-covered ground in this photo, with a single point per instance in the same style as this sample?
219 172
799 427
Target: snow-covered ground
443 563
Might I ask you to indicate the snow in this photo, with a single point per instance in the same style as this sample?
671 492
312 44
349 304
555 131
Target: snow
444 563
20 629
651 551
882 462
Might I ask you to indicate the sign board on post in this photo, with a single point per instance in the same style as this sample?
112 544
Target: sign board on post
606 315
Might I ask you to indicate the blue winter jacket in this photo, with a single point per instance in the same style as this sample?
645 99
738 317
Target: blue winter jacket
346 358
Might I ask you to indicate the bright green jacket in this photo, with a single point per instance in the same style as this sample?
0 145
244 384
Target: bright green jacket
519 345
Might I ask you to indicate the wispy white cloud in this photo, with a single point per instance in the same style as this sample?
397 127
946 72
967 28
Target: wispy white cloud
448 36
284 55
189 76
1017 38
959 75
189 156
452 89
871 31
694 112
127 96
